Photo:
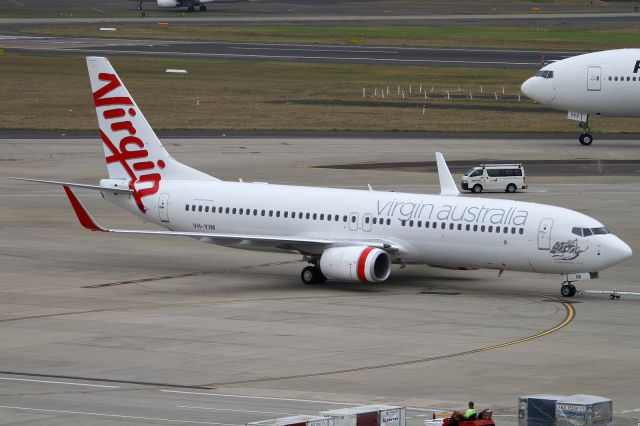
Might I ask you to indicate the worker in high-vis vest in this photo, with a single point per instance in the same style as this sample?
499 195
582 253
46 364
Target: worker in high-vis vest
470 411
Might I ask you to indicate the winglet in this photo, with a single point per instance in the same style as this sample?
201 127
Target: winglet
83 216
447 184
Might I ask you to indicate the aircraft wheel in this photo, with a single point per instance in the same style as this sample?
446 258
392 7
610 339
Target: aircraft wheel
191 9
612 296
202 8
511 188
568 290
585 139
477 188
312 275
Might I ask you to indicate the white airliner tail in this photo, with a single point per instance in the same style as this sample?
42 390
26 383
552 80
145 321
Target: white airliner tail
447 184
132 150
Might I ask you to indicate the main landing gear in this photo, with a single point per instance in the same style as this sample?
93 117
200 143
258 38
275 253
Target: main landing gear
585 138
192 8
568 289
312 275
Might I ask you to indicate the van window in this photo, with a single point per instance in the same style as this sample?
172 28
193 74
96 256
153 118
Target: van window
495 172
478 172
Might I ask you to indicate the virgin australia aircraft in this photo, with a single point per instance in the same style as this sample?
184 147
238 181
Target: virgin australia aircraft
348 235
189 4
600 83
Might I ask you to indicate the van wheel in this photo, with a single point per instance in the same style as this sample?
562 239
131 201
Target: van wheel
511 188
477 188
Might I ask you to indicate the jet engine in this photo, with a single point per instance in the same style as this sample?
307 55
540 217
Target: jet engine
356 263
168 3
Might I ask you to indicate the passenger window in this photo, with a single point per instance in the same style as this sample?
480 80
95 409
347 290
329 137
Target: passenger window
278 213
353 220
459 227
475 228
263 212
505 230
248 212
513 230
233 211
616 78
497 229
300 215
329 218
322 217
443 225
375 220
388 221
628 79
344 218
490 229
403 222
336 218
468 227
241 211
521 231
609 78
577 231
199 208
315 216
434 225
186 207
366 219
206 209
270 213
410 223
482 228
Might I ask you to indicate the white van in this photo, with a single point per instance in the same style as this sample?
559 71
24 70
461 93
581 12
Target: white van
494 177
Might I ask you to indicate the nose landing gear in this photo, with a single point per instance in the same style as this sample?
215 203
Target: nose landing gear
568 289
585 138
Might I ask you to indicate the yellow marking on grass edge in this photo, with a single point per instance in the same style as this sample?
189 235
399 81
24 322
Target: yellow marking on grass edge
570 315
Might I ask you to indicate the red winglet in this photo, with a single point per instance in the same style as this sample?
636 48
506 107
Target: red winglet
81 212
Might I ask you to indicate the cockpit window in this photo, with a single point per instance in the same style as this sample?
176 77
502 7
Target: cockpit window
587 232
544 74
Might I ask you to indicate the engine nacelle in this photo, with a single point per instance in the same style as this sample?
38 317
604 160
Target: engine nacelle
168 3
356 263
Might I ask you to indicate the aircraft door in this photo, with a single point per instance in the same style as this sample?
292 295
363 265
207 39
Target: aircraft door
544 234
353 221
367 218
163 207
594 77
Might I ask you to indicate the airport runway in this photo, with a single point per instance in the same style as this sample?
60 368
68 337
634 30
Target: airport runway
121 329
364 54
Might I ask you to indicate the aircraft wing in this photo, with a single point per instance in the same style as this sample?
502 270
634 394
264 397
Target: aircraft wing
301 244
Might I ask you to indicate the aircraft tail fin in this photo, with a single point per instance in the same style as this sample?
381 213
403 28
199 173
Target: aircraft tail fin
132 149
447 184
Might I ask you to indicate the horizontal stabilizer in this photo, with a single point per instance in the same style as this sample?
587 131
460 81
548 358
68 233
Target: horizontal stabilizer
75 185
447 184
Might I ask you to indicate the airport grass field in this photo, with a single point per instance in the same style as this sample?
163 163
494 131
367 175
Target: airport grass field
543 36
51 91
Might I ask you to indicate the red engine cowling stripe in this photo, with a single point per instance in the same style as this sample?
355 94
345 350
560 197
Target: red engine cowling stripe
361 263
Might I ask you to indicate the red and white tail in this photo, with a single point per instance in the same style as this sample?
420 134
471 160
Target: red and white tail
132 150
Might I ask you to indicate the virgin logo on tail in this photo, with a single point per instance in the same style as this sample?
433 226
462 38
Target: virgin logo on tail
130 152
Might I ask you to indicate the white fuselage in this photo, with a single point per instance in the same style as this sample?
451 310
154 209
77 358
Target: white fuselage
600 83
446 231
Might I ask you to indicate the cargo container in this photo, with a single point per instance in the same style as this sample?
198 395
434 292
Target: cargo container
538 410
584 410
368 415
295 421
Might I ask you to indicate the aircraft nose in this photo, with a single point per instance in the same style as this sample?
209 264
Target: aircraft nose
620 251
527 88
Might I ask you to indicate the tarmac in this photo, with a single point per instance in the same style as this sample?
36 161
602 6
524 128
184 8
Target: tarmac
111 329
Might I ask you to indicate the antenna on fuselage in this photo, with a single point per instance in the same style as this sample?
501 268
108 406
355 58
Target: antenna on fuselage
447 184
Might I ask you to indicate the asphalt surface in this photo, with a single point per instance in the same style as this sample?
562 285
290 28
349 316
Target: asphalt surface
364 54
100 329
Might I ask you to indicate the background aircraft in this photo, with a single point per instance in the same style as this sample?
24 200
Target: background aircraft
189 4
347 235
600 83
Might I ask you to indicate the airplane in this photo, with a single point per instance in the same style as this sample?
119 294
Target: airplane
599 83
189 4
343 234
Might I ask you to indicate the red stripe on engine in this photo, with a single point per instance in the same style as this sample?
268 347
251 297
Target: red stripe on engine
361 263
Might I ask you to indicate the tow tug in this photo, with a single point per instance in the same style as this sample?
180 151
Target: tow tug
485 418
